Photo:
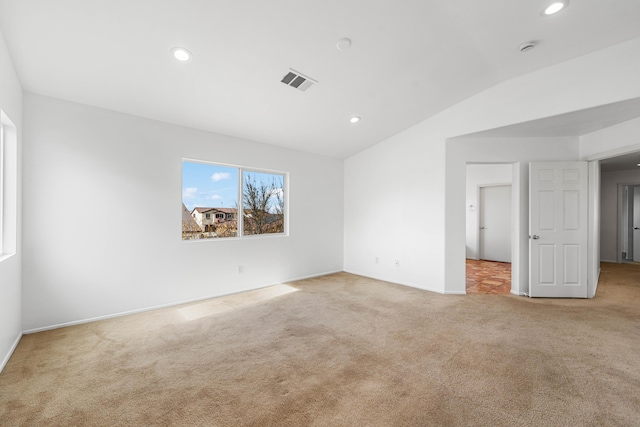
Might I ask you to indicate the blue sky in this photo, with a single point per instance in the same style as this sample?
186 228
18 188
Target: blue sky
214 186
208 185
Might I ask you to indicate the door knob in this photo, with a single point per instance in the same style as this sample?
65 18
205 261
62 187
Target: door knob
636 228
483 228
534 237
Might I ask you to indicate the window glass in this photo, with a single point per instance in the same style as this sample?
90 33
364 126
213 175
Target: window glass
211 207
262 202
206 190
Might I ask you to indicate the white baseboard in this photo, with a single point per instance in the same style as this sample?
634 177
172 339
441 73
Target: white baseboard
384 279
10 353
171 304
312 276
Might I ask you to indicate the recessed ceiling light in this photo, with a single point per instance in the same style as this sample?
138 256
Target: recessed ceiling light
639 165
354 119
181 54
555 7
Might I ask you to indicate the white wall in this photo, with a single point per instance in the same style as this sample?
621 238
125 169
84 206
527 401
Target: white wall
10 268
609 210
480 175
394 211
406 173
88 250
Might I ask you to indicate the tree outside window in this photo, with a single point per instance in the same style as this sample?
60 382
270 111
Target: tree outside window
263 202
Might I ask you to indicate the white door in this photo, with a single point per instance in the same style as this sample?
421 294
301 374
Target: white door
495 223
558 228
636 224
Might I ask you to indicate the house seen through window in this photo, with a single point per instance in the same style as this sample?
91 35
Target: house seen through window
221 201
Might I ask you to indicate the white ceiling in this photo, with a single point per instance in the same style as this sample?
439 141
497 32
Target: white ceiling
621 163
410 59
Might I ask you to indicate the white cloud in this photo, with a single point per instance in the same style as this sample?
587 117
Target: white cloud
189 192
219 176
216 197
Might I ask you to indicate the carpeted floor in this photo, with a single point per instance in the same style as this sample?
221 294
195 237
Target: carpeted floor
341 350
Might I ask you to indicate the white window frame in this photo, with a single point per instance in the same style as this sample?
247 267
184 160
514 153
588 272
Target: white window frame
8 187
240 223
285 183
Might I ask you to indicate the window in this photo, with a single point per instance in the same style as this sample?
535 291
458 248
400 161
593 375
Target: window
1 187
8 186
262 202
243 201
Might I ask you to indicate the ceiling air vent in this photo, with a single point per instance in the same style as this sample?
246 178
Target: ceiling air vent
298 80
527 46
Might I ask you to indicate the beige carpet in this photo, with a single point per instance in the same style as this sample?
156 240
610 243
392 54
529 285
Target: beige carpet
341 350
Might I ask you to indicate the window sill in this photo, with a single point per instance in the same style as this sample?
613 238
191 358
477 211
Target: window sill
247 237
4 257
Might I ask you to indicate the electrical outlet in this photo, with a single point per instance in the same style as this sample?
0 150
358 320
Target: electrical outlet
397 263
240 269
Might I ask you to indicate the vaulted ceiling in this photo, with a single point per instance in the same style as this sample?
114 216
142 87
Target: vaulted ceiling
408 60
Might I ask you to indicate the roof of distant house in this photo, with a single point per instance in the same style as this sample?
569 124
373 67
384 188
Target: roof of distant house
203 210
189 224
225 210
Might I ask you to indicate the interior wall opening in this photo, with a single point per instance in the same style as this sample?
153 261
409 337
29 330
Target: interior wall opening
489 228
620 208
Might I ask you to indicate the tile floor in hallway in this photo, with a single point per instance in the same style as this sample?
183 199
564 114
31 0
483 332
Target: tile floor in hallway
488 277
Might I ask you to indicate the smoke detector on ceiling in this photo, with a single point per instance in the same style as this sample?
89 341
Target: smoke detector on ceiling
298 80
527 46
343 44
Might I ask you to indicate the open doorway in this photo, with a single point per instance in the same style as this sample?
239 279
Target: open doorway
489 228
629 223
620 208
